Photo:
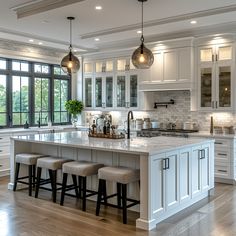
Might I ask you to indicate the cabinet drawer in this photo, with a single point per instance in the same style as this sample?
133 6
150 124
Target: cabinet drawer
219 143
4 139
4 164
222 170
222 155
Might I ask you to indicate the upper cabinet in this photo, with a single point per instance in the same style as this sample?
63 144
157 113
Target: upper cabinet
111 84
172 69
215 73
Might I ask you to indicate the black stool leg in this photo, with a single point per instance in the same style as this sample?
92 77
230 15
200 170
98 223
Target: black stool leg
53 177
124 206
39 170
118 194
80 185
30 169
99 197
16 175
76 186
34 174
84 193
64 181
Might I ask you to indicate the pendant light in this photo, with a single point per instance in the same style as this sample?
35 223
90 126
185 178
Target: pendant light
70 63
142 57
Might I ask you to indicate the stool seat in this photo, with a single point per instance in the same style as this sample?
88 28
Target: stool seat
81 168
123 175
51 163
28 158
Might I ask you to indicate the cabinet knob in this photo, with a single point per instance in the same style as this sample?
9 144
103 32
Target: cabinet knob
202 154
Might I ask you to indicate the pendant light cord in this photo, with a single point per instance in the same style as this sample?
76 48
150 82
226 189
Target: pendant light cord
70 33
142 38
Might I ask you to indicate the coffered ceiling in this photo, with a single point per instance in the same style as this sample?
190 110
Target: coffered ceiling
116 25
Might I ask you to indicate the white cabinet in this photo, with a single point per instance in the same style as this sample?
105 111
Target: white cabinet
215 73
4 154
171 70
179 177
126 90
200 169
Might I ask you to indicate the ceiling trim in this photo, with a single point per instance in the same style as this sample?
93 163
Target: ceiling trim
226 28
32 8
167 20
45 39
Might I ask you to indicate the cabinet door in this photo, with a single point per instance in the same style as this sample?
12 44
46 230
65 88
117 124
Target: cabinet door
98 92
206 86
121 91
170 66
132 99
156 70
184 64
184 175
171 180
224 53
88 92
224 86
196 171
109 91
206 54
157 185
205 171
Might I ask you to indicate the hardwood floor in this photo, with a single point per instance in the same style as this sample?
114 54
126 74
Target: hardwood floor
26 216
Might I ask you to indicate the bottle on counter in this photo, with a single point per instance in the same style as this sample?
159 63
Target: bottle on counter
94 128
104 128
108 128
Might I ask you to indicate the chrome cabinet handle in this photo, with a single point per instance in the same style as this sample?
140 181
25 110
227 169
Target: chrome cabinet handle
212 57
212 104
218 143
164 164
224 171
222 154
202 154
216 104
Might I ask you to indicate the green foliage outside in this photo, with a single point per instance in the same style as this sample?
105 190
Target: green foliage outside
74 107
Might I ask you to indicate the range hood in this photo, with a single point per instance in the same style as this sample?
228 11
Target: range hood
167 86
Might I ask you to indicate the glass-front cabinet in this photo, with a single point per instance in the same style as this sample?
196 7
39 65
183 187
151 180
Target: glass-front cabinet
215 77
110 84
127 90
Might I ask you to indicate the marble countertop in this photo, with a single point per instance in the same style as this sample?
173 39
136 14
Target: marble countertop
138 145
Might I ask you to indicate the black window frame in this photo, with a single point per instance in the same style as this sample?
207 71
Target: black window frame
9 72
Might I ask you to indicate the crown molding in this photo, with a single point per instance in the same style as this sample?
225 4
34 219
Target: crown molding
167 20
226 28
35 7
46 39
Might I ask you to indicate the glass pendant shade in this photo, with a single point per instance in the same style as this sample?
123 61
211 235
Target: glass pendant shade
70 63
142 57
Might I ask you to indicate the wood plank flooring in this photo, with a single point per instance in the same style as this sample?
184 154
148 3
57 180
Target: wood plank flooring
22 215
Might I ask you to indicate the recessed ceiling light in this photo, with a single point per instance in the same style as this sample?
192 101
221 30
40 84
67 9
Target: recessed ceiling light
31 40
139 32
97 39
98 7
40 43
193 22
75 50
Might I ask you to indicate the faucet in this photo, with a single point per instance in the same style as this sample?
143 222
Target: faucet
130 115
39 119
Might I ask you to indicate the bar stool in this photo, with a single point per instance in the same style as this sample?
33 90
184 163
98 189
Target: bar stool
29 159
82 169
52 164
122 176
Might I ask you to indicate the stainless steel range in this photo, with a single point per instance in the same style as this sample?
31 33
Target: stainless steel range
164 132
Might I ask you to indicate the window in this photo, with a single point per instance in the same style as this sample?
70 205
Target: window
3 100
32 92
41 100
20 66
61 95
20 100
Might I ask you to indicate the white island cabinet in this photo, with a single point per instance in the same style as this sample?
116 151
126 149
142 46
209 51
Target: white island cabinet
174 172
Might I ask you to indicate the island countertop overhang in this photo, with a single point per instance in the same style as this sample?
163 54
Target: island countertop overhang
139 145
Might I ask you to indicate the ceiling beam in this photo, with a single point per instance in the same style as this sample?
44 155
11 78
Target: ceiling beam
167 20
35 7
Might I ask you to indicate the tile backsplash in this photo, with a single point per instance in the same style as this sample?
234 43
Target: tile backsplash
177 113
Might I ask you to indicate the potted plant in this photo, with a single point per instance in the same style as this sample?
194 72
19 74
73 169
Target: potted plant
74 107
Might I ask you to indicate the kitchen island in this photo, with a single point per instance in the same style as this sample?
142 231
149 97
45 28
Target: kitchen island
174 172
